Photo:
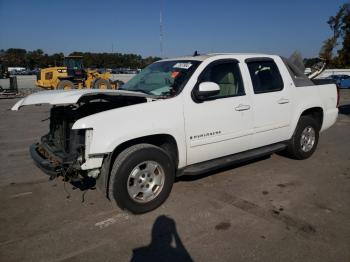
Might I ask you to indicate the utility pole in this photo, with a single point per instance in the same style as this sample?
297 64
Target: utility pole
161 29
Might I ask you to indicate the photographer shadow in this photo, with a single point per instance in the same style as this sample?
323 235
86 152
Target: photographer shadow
164 233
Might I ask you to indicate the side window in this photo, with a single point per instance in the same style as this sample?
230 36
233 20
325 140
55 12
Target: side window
265 76
227 75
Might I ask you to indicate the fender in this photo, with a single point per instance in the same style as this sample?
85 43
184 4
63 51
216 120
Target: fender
297 116
114 127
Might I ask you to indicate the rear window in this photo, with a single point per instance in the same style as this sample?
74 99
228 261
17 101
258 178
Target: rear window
265 76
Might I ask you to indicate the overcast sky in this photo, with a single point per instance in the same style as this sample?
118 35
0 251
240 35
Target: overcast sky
268 26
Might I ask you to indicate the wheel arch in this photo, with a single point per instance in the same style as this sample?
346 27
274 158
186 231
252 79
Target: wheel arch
316 112
164 141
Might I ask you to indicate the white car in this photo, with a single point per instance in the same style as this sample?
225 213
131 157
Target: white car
181 116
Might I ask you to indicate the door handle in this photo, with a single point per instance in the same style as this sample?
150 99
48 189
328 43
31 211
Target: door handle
242 107
283 101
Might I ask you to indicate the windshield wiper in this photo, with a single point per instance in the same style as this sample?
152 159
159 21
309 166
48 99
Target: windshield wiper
139 91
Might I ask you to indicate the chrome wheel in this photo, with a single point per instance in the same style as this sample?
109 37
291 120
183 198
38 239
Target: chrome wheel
145 181
308 138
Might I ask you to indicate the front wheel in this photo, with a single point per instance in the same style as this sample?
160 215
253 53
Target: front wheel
304 141
141 178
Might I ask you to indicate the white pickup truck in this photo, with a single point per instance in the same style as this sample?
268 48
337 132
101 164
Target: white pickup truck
181 116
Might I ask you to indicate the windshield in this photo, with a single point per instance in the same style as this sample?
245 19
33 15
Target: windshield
165 78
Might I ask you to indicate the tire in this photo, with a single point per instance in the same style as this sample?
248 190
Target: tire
129 183
102 84
65 84
305 139
118 83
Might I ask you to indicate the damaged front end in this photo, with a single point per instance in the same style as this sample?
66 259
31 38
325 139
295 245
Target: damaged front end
65 151
62 150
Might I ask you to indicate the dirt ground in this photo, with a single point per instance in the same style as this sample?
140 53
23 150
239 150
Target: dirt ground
28 82
272 209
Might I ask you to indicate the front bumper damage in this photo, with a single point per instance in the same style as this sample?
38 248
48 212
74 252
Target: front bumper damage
46 162
56 165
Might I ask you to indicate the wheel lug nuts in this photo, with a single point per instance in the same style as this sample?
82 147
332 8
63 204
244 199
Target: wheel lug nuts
143 175
150 180
147 185
140 181
148 175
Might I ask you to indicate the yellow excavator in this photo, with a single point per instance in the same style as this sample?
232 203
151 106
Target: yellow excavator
73 75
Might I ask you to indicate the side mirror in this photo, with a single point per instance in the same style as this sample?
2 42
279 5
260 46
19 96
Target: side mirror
207 89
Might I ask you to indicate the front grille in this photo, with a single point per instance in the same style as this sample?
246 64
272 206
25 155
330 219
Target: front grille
66 141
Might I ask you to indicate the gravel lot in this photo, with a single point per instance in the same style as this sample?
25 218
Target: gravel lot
28 82
272 209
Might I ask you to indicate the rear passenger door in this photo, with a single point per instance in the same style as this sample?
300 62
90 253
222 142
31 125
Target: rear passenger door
271 100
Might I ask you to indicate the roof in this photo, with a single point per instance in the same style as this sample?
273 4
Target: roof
206 56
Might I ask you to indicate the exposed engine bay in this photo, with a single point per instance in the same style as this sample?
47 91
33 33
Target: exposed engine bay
63 148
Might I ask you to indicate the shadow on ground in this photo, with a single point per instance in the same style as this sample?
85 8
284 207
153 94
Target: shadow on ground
86 183
166 244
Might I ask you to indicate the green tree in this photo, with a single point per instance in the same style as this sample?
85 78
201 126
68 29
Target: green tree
340 26
34 58
37 58
15 57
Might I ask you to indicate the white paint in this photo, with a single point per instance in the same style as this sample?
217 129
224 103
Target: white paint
182 65
21 194
208 86
112 220
61 97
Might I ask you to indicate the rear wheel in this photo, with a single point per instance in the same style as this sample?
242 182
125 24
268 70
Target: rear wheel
304 141
102 84
65 84
141 178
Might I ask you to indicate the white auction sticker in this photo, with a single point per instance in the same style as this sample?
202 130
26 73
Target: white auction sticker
182 65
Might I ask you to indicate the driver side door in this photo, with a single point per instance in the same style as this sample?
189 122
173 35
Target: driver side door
220 125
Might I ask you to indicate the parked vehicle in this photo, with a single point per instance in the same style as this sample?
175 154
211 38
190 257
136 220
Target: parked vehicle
343 81
182 116
125 71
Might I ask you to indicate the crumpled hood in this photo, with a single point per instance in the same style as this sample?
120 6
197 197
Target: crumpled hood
58 97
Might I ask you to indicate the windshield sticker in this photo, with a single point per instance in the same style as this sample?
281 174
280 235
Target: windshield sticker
175 74
182 65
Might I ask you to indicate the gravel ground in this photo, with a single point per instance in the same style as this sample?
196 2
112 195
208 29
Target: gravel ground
26 83
272 209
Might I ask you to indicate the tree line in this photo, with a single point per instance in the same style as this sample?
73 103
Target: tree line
17 57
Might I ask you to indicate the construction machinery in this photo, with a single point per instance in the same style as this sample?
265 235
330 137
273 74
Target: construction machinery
73 75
